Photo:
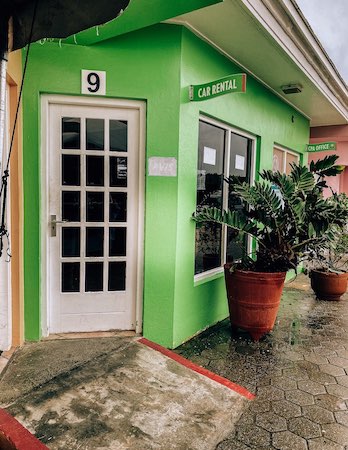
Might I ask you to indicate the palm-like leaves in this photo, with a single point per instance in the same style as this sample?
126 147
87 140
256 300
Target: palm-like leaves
286 214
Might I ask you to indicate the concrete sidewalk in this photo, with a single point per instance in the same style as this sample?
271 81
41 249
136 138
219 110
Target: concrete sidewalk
115 393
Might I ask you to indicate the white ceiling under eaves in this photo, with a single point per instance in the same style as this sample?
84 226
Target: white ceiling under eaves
275 49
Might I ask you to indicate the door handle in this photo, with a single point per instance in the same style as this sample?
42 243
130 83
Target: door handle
53 224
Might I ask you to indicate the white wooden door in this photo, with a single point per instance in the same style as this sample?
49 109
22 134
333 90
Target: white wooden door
92 223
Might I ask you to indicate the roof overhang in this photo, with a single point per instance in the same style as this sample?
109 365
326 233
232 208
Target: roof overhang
274 42
139 14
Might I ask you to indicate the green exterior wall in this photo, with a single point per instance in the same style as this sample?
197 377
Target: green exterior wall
155 64
139 66
258 112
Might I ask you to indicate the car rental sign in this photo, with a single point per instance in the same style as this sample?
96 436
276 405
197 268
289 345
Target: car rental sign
226 85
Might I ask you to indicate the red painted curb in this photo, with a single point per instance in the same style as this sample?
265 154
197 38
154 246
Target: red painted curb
190 365
13 436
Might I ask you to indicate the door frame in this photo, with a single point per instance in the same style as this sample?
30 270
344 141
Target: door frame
46 101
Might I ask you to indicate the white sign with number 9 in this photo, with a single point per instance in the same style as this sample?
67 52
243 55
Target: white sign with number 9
93 82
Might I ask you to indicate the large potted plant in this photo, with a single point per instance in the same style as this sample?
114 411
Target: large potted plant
285 215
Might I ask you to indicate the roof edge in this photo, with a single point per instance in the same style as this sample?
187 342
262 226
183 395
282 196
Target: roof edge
285 23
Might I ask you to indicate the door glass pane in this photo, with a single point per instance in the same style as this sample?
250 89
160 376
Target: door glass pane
95 171
95 206
95 134
70 241
71 170
211 150
71 206
290 159
117 241
118 171
94 276
94 241
117 276
118 207
71 277
71 131
118 135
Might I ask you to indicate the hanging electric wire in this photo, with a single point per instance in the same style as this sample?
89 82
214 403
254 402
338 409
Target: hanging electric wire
6 172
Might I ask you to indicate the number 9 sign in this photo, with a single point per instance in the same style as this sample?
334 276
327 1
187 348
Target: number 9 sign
93 82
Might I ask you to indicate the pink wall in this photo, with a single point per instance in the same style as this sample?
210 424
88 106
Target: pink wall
338 134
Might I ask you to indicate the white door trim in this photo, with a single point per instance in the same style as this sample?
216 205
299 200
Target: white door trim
46 101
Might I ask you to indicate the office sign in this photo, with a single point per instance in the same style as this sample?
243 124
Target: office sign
226 85
321 147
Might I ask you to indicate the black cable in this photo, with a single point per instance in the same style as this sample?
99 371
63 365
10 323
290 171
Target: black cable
4 180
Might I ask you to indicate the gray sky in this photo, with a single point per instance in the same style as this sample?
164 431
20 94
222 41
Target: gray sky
329 21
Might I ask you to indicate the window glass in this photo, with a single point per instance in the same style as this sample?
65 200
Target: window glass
71 170
71 130
282 160
94 276
71 206
117 276
95 134
290 159
211 149
71 277
70 241
240 165
211 243
278 160
95 170
118 135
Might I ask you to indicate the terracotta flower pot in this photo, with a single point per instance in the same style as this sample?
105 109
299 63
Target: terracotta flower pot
328 285
253 299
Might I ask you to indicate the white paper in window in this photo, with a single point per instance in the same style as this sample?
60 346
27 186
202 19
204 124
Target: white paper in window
239 163
209 156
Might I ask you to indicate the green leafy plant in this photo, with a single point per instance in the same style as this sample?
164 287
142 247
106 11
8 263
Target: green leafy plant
331 255
285 214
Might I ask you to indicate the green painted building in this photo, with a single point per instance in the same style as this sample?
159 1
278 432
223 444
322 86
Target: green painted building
117 157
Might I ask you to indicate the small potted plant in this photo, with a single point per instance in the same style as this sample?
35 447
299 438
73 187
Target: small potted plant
285 215
328 263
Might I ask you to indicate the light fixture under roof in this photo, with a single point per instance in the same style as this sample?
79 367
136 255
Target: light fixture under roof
292 88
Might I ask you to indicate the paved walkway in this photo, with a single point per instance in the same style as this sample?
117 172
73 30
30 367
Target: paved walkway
115 393
299 373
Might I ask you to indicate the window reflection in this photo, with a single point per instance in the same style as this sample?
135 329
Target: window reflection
95 206
118 135
95 134
209 193
117 276
71 130
240 164
71 277
211 190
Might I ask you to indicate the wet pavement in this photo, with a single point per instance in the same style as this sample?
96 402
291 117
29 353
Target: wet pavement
299 373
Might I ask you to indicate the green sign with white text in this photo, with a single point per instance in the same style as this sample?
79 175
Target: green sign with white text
321 147
226 85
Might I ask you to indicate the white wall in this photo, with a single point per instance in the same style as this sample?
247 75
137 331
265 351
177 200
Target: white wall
5 264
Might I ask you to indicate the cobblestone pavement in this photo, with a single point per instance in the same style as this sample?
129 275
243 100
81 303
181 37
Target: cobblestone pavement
299 373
